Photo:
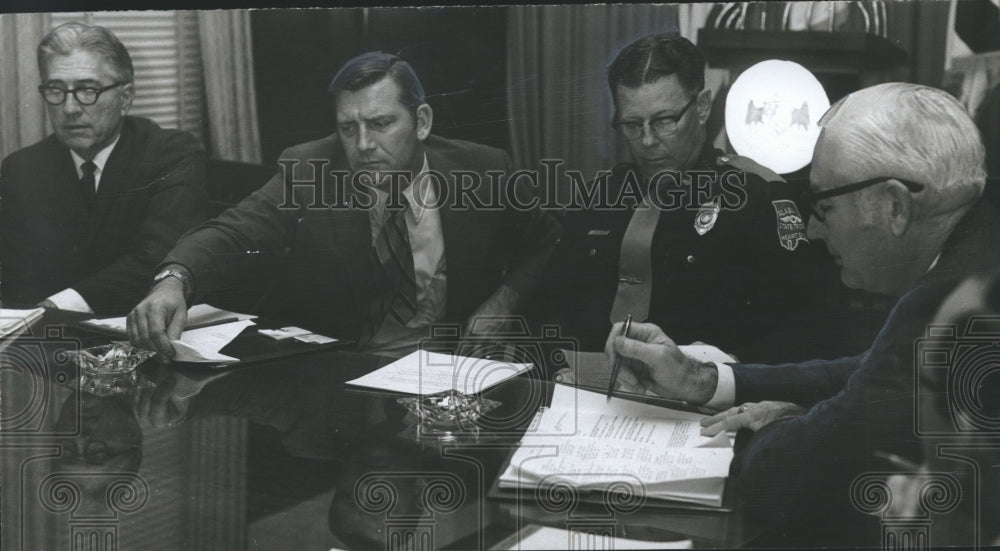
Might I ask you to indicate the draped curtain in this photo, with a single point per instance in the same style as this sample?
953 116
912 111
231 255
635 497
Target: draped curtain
22 113
227 58
557 63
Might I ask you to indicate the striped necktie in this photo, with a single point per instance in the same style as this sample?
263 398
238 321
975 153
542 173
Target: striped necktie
395 288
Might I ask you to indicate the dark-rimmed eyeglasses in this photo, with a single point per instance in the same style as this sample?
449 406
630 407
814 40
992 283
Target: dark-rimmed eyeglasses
663 126
88 95
811 199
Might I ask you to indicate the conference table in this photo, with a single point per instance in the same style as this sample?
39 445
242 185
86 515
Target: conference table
279 454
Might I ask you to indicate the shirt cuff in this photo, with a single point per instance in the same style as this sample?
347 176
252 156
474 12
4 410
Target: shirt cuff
725 389
69 299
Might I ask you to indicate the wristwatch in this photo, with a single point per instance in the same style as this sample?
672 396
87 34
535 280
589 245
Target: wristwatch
169 272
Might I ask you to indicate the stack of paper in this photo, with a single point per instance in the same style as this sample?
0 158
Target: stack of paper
424 372
592 443
14 320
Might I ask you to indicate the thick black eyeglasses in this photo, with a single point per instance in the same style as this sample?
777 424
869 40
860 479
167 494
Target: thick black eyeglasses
810 199
662 126
53 95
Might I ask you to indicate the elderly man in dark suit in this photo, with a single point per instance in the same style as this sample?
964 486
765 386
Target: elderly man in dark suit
389 229
896 182
87 213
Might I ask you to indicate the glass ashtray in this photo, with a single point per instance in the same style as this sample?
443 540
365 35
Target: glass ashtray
448 410
110 368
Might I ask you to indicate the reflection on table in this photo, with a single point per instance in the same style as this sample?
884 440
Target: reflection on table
275 455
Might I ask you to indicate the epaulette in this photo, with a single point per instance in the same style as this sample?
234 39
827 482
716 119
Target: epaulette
746 164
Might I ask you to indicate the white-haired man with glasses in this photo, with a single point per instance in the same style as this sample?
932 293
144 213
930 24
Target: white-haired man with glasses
717 253
895 190
88 212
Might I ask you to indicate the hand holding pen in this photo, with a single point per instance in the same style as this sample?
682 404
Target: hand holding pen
618 359
648 360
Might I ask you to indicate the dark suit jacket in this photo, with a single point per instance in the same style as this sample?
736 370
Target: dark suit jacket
974 246
328 281
152 190
797 473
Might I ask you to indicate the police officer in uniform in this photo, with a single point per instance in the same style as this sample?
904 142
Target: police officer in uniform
709 246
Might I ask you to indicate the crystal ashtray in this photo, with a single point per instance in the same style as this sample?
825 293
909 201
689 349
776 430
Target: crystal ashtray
110 368
448 410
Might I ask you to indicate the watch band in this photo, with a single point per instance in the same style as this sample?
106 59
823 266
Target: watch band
170 272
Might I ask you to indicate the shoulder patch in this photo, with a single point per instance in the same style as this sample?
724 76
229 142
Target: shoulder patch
791 228
747 164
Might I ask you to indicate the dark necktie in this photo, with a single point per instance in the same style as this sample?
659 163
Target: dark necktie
395 288
88 182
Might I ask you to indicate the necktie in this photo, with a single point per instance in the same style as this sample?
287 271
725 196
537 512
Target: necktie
635 266
395 288
88 182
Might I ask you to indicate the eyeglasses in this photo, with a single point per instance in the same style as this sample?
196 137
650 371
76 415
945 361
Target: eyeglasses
53 95
811 200
663 126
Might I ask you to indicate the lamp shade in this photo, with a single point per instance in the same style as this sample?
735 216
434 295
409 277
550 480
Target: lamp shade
771 114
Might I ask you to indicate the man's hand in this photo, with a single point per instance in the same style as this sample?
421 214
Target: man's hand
159 318
753 416
651 361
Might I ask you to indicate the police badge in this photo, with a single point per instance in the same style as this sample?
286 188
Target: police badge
791 228
707 215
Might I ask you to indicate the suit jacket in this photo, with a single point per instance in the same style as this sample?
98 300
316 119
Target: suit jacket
327 236
151 191
973 246
797 473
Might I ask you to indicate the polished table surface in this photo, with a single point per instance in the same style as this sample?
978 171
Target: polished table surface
275 455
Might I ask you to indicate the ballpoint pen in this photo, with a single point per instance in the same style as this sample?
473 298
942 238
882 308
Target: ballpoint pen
618 358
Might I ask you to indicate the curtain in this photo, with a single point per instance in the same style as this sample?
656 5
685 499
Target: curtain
22 113
227 58
557 61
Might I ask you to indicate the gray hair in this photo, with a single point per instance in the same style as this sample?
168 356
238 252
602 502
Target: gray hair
66 38
916 132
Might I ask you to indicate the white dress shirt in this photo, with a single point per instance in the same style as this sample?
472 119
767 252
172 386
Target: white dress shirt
69 299
430 273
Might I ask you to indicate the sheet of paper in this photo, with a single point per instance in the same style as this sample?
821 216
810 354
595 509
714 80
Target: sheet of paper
283 333
424 372
535 537
198 314
574 398
203 345
12 320
314 338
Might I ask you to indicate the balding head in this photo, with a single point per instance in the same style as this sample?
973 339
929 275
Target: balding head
914 132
